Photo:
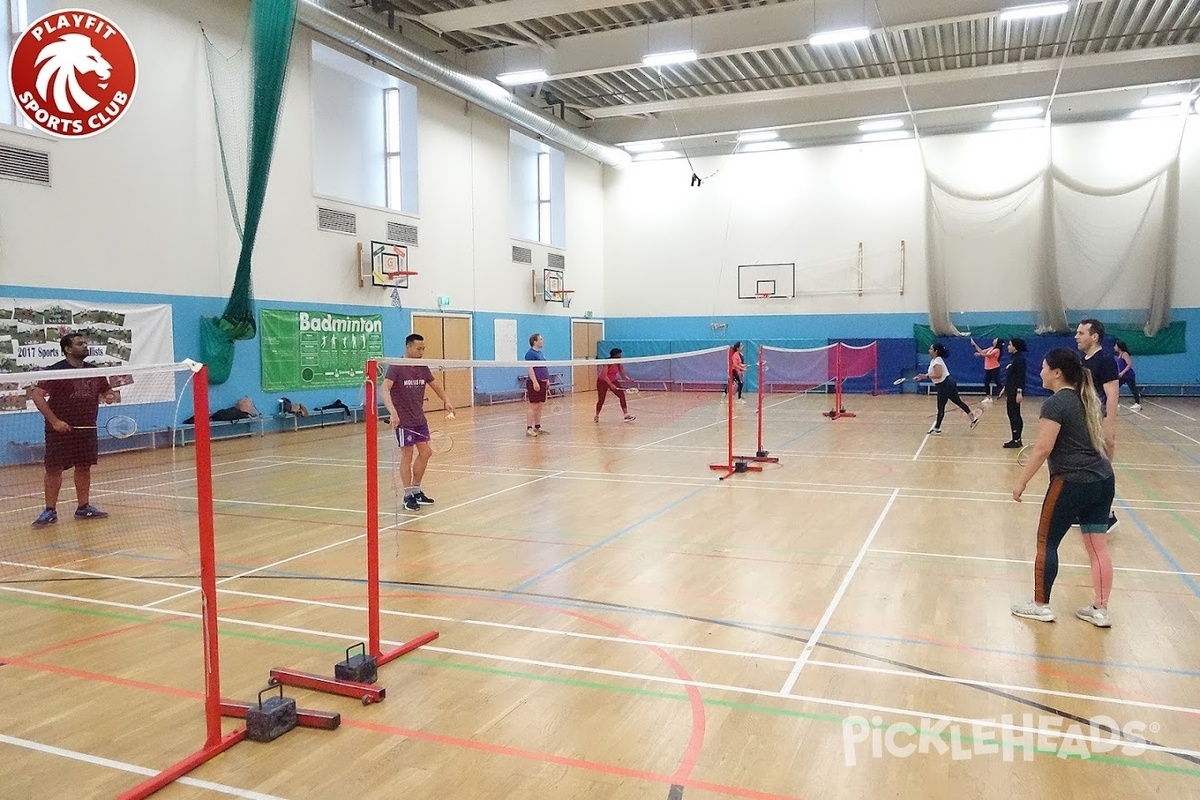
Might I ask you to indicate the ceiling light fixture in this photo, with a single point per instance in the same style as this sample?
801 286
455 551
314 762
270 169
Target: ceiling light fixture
1017 112
1158 111
673 57
884 136
1172 99
757 136
1033 11
839 36
762 147
658 156
643 147
523 77
880 125
1016 124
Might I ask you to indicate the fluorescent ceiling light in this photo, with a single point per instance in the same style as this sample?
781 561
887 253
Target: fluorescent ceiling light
643 147
1030 12
658 156
674 57
1017 112
1158 111
1016 124
839 36
880 125
758 136
761 147
525 76
884 136
1172 99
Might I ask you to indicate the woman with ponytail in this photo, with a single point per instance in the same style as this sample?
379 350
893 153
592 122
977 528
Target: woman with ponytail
1071 439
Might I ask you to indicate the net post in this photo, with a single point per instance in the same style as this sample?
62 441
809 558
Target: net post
372 507
208 559
761 372
727 467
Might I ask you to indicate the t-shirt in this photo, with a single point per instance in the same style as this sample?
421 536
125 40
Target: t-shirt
76 401
408 392
1073 456
541 373
613 373
991 358
737 364
1014 380
1103 367
938 361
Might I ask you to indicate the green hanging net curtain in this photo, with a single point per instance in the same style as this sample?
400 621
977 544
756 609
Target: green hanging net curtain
247 90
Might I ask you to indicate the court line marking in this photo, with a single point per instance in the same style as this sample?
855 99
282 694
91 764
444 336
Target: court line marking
924 441
1165 408
326 634
1184 435
794 675
1061 565
134 768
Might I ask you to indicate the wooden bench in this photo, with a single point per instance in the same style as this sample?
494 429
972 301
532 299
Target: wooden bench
317 418
222 430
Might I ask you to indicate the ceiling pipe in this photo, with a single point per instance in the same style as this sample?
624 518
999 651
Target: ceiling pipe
333 20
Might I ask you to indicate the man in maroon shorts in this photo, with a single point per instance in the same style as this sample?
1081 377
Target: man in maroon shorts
70 406
537 386
404 396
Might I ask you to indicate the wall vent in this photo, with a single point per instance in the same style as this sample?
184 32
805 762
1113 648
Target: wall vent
522 255
399 232
19 164
556 261
330 219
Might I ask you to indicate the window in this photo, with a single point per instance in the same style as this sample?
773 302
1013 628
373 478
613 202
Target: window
364 133
537 185
14 19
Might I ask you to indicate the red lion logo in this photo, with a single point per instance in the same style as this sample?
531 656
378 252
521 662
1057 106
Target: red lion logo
73 73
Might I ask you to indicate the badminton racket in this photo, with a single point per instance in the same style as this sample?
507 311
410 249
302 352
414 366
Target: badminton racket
898 381
119 427
631 390
1023 454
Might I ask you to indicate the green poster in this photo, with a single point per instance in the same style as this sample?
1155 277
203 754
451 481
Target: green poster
316 349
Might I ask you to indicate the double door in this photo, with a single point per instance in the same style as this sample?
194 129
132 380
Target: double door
447 337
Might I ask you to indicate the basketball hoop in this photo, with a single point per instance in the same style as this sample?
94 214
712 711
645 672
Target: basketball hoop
763 295
564 296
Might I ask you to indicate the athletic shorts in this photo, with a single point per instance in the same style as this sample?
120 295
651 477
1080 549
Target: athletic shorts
536 395
407 437
75 448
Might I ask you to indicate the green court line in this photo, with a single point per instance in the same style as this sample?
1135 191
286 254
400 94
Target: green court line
1171 512
681 697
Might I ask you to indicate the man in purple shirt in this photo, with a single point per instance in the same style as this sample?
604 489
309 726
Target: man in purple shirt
404 396
537 386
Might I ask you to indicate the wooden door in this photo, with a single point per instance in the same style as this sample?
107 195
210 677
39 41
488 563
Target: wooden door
447 337
585 334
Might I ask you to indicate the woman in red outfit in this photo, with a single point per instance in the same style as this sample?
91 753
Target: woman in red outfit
608 379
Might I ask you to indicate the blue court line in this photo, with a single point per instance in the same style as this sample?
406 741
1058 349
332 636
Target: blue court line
547 573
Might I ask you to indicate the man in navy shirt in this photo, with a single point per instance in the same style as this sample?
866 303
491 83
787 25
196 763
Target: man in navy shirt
537 385
1089 338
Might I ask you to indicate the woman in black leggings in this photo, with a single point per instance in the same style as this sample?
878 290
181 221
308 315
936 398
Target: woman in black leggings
1014 390
947 389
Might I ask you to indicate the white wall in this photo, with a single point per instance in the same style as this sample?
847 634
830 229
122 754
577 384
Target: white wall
142 207
673 249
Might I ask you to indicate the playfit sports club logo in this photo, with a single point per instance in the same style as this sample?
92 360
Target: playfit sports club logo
73 73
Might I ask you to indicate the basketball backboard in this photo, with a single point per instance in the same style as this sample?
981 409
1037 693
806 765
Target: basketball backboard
389 265
756 281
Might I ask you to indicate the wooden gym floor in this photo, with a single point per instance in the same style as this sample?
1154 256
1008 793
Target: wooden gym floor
617 623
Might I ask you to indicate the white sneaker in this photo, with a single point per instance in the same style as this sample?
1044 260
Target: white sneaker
987 401
935 431
530 432
1096 616
1136 407
1032 610
740 402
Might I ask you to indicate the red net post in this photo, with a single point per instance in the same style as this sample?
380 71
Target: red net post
370 408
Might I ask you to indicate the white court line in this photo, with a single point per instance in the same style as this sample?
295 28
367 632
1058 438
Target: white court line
924 441
571 667
1184 435
790 683
1165 408
1025 562
134 768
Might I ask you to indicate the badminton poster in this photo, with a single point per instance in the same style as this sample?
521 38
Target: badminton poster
316 349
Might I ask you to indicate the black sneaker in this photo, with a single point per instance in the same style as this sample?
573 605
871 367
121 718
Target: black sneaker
411 503
1112 523
423 499
1013 444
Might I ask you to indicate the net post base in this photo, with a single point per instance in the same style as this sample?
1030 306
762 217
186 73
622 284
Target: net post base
173 773
761 457
319 683
305 717
838 413
407 647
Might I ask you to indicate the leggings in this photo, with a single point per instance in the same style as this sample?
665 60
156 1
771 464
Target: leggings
991 377
948 390
739 383
1066 503
1014 418
602 390
1128 379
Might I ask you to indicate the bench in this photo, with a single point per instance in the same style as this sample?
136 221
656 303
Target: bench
558 384
1169 389
221 430
316 418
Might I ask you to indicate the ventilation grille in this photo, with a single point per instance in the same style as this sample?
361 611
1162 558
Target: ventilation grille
19 164
556 261
330 219
522 255
399 232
